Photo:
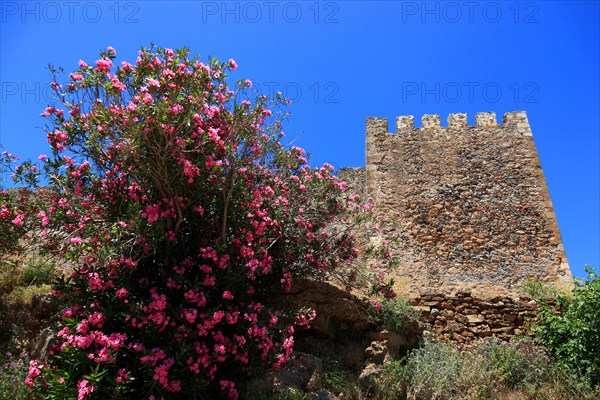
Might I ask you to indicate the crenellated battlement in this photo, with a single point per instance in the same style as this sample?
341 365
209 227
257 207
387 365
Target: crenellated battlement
515 121
472 200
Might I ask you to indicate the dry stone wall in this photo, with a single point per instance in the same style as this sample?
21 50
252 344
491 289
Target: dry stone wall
462 318
473 207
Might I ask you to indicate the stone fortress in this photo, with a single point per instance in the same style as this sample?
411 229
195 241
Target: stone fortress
474 217
472 202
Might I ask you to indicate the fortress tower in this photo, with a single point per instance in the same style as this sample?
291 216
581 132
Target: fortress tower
473 205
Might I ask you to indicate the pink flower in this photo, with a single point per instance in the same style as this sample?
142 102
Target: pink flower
95 282
190 314
96 319
83 390
110 49
167 73
120 86
83 64
232 64
35 369
152 82
229 386
210 280
122 376
125 66
45 220
227 295
151 213
175 109
148 98
18 220
104 65
75 240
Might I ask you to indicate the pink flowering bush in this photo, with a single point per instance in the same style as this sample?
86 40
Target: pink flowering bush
183 217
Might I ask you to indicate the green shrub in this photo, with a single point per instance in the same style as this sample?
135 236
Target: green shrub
395 314
573 334
520 369
517 363
430 372
393 382
291 394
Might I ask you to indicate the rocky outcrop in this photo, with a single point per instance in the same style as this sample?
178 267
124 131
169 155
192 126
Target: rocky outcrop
342 334
28 327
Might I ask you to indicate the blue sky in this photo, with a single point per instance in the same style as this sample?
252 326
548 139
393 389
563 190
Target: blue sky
341 61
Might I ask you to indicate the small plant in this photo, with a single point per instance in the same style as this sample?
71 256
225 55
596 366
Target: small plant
393 382
9 275
37 272
539 290
395 314
339 379
13 370
291 394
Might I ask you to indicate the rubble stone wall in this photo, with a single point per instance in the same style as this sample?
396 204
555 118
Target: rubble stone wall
463 318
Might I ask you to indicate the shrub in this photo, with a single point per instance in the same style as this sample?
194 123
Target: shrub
395 314
489 370
184 217
573 335
519 363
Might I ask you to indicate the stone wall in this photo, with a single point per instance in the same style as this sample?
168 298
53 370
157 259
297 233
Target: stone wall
473 208
462 318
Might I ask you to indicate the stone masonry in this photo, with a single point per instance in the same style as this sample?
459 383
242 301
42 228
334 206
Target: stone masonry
463 318
473 207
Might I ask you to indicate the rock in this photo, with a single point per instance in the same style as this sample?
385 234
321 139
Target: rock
336 309
39 346
510 317
475 319
303 372
367 376
376 353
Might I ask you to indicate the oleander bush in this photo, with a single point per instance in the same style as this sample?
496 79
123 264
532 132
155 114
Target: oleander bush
183 217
